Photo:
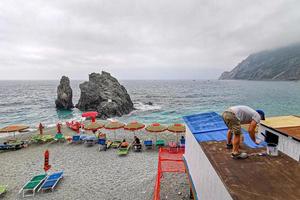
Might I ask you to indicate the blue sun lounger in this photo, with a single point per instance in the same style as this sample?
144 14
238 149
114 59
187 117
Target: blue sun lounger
51 181
76 139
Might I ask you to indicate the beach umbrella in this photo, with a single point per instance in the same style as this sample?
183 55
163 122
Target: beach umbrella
114 125
13 128
177 128
94 126
91 114
156 128
134 126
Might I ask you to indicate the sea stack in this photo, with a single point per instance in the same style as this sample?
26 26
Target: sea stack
64 94
104 94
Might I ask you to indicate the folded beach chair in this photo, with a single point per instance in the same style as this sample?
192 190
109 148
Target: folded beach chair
76 139
116 144
182 143
148 144
3 189
51 181
59 137
32 185
102 144
160 143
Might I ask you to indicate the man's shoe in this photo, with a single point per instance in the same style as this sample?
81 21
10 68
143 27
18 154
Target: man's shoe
229 146
239 156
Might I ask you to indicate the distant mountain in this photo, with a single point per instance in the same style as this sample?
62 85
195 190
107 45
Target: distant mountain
277 64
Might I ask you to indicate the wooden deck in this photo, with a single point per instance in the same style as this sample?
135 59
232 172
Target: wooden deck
258 177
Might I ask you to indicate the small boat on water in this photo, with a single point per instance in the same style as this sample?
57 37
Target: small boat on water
74 125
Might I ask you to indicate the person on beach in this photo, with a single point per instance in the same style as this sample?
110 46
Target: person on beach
137 143
233 118
124 143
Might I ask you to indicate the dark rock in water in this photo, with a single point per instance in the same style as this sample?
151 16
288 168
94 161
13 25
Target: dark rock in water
149 103
103 93
277 64
64 94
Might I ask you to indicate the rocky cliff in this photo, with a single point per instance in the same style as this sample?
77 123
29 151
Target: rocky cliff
64 94
103 93
277 64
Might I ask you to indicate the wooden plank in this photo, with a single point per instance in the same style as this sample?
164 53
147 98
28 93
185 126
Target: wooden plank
258 177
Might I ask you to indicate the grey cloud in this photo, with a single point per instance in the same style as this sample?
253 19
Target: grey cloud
139 39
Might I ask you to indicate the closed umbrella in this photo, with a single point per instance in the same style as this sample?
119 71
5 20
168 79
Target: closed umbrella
114 125
177 128
156 128
13 128
134 126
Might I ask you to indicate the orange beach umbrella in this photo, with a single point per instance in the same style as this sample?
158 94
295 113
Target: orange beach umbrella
155 128
13 128
93 126
114 125
177 128
134 126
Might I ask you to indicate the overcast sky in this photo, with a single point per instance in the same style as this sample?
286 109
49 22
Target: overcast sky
141 39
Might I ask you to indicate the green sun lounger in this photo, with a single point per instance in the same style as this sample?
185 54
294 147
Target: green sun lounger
3 189
122 151
116 144
30 188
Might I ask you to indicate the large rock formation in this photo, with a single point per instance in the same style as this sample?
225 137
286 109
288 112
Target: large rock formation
103 93
278 64
64 94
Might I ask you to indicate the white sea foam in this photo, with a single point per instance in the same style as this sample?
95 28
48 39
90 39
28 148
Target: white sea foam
145 107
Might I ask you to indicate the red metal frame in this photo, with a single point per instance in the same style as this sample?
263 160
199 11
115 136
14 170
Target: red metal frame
168 161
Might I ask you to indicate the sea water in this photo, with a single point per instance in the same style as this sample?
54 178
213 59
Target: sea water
32 102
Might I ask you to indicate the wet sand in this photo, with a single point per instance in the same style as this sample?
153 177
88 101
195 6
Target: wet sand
88 173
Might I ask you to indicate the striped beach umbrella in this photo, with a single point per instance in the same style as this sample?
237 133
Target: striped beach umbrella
134 126
156 128
114 125
14 128
177 128
94 126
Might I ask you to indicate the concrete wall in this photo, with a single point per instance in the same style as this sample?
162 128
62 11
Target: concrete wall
286 144
207 183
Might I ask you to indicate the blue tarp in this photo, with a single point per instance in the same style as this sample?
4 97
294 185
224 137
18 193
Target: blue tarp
211 127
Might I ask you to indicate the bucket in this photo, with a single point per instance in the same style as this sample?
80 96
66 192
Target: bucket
272 149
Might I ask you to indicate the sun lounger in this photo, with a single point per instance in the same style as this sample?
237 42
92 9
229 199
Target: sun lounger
15 145
160 143
32 185
4 147
3 189
116 144
122 151
51 181
148 144
90 140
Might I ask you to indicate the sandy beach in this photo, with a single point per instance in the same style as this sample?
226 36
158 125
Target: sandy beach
90 174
